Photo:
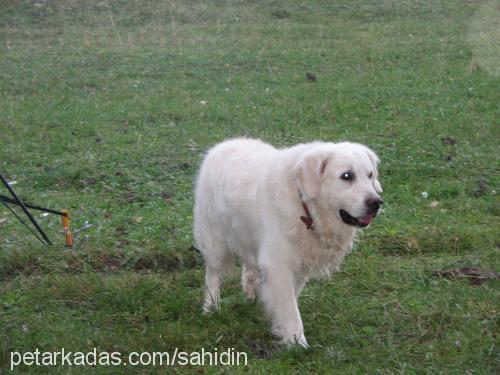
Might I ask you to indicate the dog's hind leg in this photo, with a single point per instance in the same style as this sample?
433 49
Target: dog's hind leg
212 290
211 243
218 262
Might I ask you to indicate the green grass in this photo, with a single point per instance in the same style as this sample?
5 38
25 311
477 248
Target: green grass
107 107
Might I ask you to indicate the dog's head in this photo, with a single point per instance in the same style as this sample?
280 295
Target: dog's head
341 178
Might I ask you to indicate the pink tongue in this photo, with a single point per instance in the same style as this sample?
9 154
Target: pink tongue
366 220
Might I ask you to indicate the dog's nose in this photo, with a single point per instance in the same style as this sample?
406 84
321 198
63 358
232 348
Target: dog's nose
374 203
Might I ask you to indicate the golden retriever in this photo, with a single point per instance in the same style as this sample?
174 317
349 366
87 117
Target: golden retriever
286 214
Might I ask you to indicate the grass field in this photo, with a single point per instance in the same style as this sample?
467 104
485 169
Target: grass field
107 107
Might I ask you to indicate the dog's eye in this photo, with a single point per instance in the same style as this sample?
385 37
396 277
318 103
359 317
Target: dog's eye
370 175
347 176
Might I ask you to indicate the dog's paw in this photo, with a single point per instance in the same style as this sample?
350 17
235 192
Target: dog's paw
250 292
210 307
250 281
295 341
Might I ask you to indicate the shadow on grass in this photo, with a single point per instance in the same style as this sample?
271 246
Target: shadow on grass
56 260
434 241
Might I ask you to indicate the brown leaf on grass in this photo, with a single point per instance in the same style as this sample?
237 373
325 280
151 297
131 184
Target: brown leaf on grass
121 230
473 66
167 196
123 242
129 197
180 167
311 77
476 276
481 188
124 128
88 181
449 141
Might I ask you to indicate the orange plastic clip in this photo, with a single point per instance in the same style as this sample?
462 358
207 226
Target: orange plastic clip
65 222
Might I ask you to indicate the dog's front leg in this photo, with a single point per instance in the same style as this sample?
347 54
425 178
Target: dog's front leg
279 297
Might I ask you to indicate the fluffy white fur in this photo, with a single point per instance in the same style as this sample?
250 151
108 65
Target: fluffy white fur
248 205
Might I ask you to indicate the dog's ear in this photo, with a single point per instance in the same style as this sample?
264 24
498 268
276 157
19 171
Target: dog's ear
308 173
375 160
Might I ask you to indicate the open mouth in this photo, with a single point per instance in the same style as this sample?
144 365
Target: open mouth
359 222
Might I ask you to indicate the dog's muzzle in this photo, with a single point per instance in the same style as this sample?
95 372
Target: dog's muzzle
373 207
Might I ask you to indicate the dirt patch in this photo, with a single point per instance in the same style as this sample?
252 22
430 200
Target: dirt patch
170 261
280 14
113 263
476 276
11 270
425 242
261 349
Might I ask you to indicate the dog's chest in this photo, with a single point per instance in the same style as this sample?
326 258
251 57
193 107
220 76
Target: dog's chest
323 255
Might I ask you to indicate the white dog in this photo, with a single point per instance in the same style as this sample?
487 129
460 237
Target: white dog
287 215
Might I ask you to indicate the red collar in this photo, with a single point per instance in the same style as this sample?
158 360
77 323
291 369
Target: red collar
307 219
